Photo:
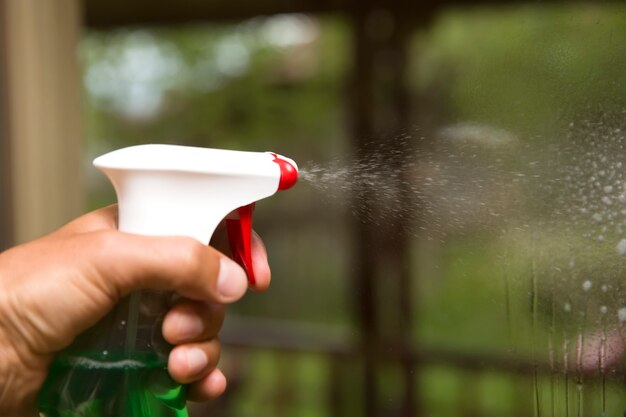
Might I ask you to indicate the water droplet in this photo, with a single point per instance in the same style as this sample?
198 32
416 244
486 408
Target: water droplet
604 288
621 247
603 309
105 352
607 200
621 314
597 217
567 307
587 285
608 189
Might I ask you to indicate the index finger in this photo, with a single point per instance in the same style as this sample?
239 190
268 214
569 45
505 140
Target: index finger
262 272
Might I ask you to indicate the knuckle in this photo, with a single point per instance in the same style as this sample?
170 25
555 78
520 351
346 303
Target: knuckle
215 317
97 249
192 255
105 240
215 351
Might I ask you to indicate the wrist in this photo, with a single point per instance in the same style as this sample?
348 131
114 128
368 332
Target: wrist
20 381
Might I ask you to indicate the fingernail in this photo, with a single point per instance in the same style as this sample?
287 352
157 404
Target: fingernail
231 281
189 327
196 360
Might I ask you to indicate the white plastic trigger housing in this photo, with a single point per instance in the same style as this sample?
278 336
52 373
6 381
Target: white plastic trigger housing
171 190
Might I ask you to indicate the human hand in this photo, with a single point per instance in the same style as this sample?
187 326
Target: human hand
54 288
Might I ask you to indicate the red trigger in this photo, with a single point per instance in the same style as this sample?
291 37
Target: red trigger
240 238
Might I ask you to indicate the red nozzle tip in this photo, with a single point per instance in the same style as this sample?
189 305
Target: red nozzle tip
288 173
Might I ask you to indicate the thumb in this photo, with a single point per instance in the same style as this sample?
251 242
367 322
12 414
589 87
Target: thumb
126 262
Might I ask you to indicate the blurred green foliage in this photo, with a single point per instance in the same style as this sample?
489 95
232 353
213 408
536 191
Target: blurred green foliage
265 93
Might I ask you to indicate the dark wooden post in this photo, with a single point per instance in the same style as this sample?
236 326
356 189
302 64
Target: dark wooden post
381 110
401 229
363 233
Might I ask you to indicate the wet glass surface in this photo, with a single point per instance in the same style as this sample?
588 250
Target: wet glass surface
508 185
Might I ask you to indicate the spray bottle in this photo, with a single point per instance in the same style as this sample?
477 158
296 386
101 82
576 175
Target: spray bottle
118 368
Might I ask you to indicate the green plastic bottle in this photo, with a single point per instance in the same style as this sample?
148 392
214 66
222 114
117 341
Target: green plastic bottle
102 375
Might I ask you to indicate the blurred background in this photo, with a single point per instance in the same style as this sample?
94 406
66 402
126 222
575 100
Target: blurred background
455 248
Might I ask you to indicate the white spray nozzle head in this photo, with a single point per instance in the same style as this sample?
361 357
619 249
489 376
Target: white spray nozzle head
165 190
